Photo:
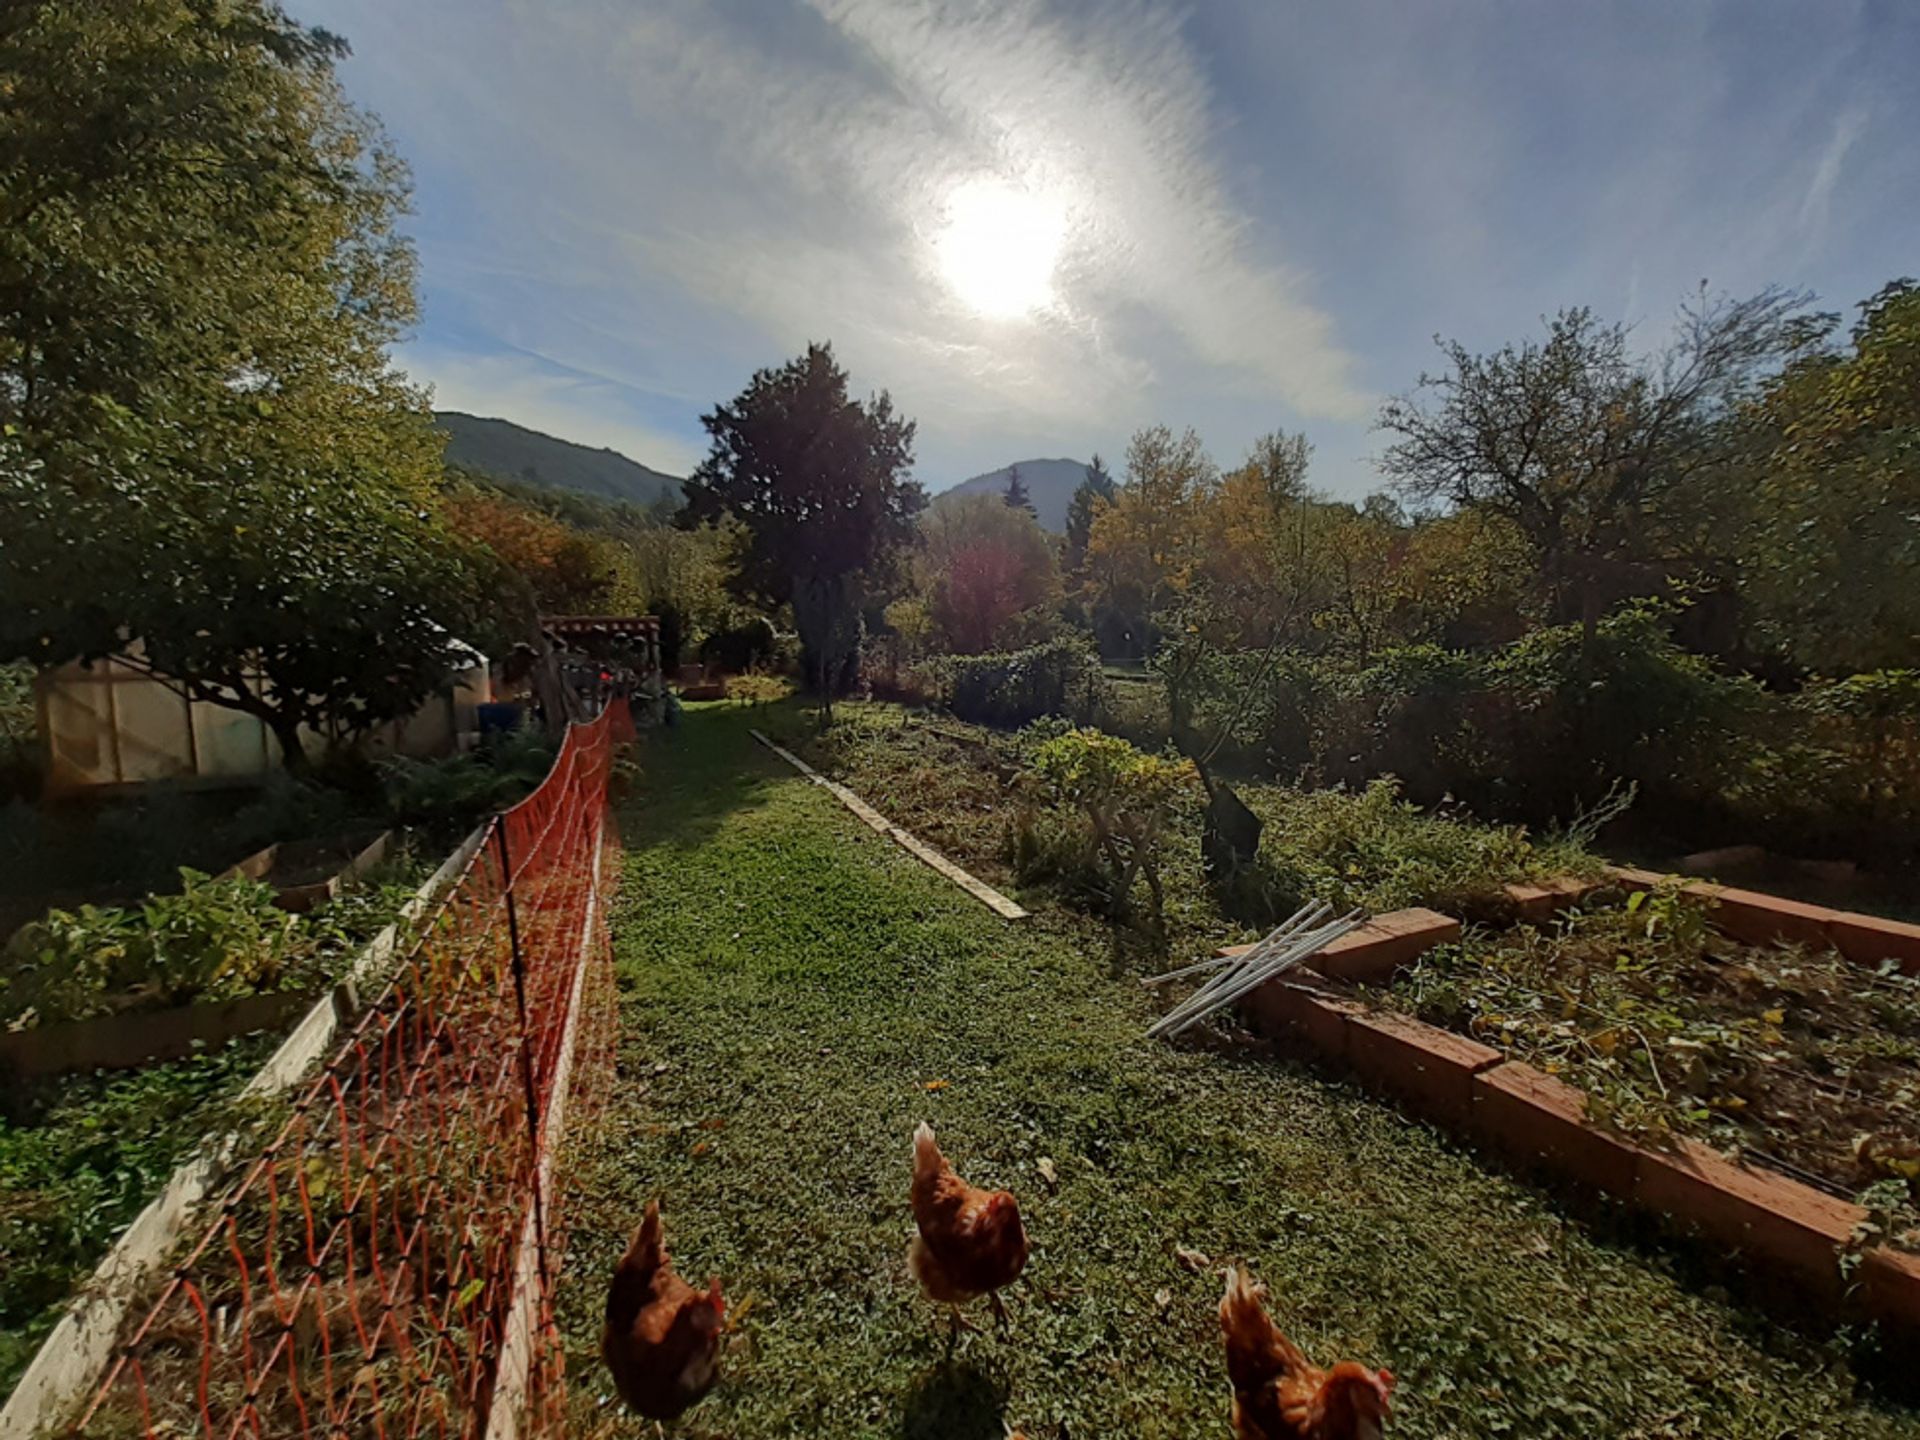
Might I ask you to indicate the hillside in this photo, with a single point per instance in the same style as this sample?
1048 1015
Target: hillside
513 452
1050 485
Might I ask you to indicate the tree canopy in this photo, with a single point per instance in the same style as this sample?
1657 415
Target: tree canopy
820 483
207 454
1578 441
990 571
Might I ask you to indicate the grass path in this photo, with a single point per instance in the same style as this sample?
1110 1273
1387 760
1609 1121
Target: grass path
797 993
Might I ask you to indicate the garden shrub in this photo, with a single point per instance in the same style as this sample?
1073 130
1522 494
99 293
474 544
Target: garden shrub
445 797
1549 724
1124 797
1061 677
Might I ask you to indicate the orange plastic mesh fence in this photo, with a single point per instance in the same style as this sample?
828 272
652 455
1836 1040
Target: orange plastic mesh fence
367 1271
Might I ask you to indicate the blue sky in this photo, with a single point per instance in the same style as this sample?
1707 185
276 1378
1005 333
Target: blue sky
1043 225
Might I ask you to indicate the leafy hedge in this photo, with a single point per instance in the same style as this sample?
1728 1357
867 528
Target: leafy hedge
1547 725
1061 677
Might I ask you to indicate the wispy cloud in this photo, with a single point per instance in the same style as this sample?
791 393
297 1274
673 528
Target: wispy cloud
543 396
1817 205
1266 208
850 145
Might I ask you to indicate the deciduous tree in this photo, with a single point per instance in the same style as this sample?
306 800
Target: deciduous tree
989 567
1577 440
1829 487
207 457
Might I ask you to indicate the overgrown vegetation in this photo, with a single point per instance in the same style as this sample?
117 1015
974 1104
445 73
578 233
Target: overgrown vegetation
1061 678
966 789
798 993
1786 1055
448 796
80 1157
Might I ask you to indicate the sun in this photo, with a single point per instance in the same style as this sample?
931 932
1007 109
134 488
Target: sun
1000 247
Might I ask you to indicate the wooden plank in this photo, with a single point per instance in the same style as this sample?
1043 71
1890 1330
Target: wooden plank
138 1037
919 849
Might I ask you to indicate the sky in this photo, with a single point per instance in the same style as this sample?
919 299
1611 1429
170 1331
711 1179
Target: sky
1044 224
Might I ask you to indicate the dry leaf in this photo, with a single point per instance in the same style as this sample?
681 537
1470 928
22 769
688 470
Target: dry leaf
1048 1173
938 1084
1194 1260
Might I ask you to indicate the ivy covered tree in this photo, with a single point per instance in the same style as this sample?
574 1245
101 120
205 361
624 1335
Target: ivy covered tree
206 458
820 483
1829 485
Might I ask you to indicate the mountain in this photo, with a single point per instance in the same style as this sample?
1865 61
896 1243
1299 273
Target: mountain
513 452
1050 486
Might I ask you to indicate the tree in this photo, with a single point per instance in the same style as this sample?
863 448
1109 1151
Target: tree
1016 496
686 570
820 483
567 570
1829 486
1144 548
1095 490
1259 563
1364 550
208 461
1577 441
988 566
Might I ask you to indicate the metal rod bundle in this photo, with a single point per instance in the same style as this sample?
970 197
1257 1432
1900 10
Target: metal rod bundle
1301 937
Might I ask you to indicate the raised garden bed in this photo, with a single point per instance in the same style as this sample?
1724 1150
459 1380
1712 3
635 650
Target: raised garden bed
120 1042
1789 1054
305 873
1762 1096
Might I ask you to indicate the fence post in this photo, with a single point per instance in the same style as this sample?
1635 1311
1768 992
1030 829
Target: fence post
519 966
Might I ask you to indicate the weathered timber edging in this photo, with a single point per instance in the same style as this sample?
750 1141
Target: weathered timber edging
919 849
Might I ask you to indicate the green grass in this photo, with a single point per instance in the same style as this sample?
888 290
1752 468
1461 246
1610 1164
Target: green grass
791 984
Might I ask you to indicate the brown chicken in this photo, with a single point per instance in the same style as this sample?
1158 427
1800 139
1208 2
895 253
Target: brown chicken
1277 1395
662 1338
970 1242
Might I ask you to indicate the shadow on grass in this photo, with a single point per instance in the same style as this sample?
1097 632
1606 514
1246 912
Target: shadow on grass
955 1401
693 777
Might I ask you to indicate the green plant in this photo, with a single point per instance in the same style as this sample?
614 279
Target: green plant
1377 850
1669 1028
448 795
216 938
757 689
1125 797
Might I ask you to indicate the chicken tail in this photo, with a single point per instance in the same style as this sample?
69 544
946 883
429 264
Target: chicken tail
648 1246
927 1159
646 1253
1256 1350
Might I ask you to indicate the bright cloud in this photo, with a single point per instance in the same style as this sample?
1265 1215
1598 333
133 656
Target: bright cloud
1044 223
